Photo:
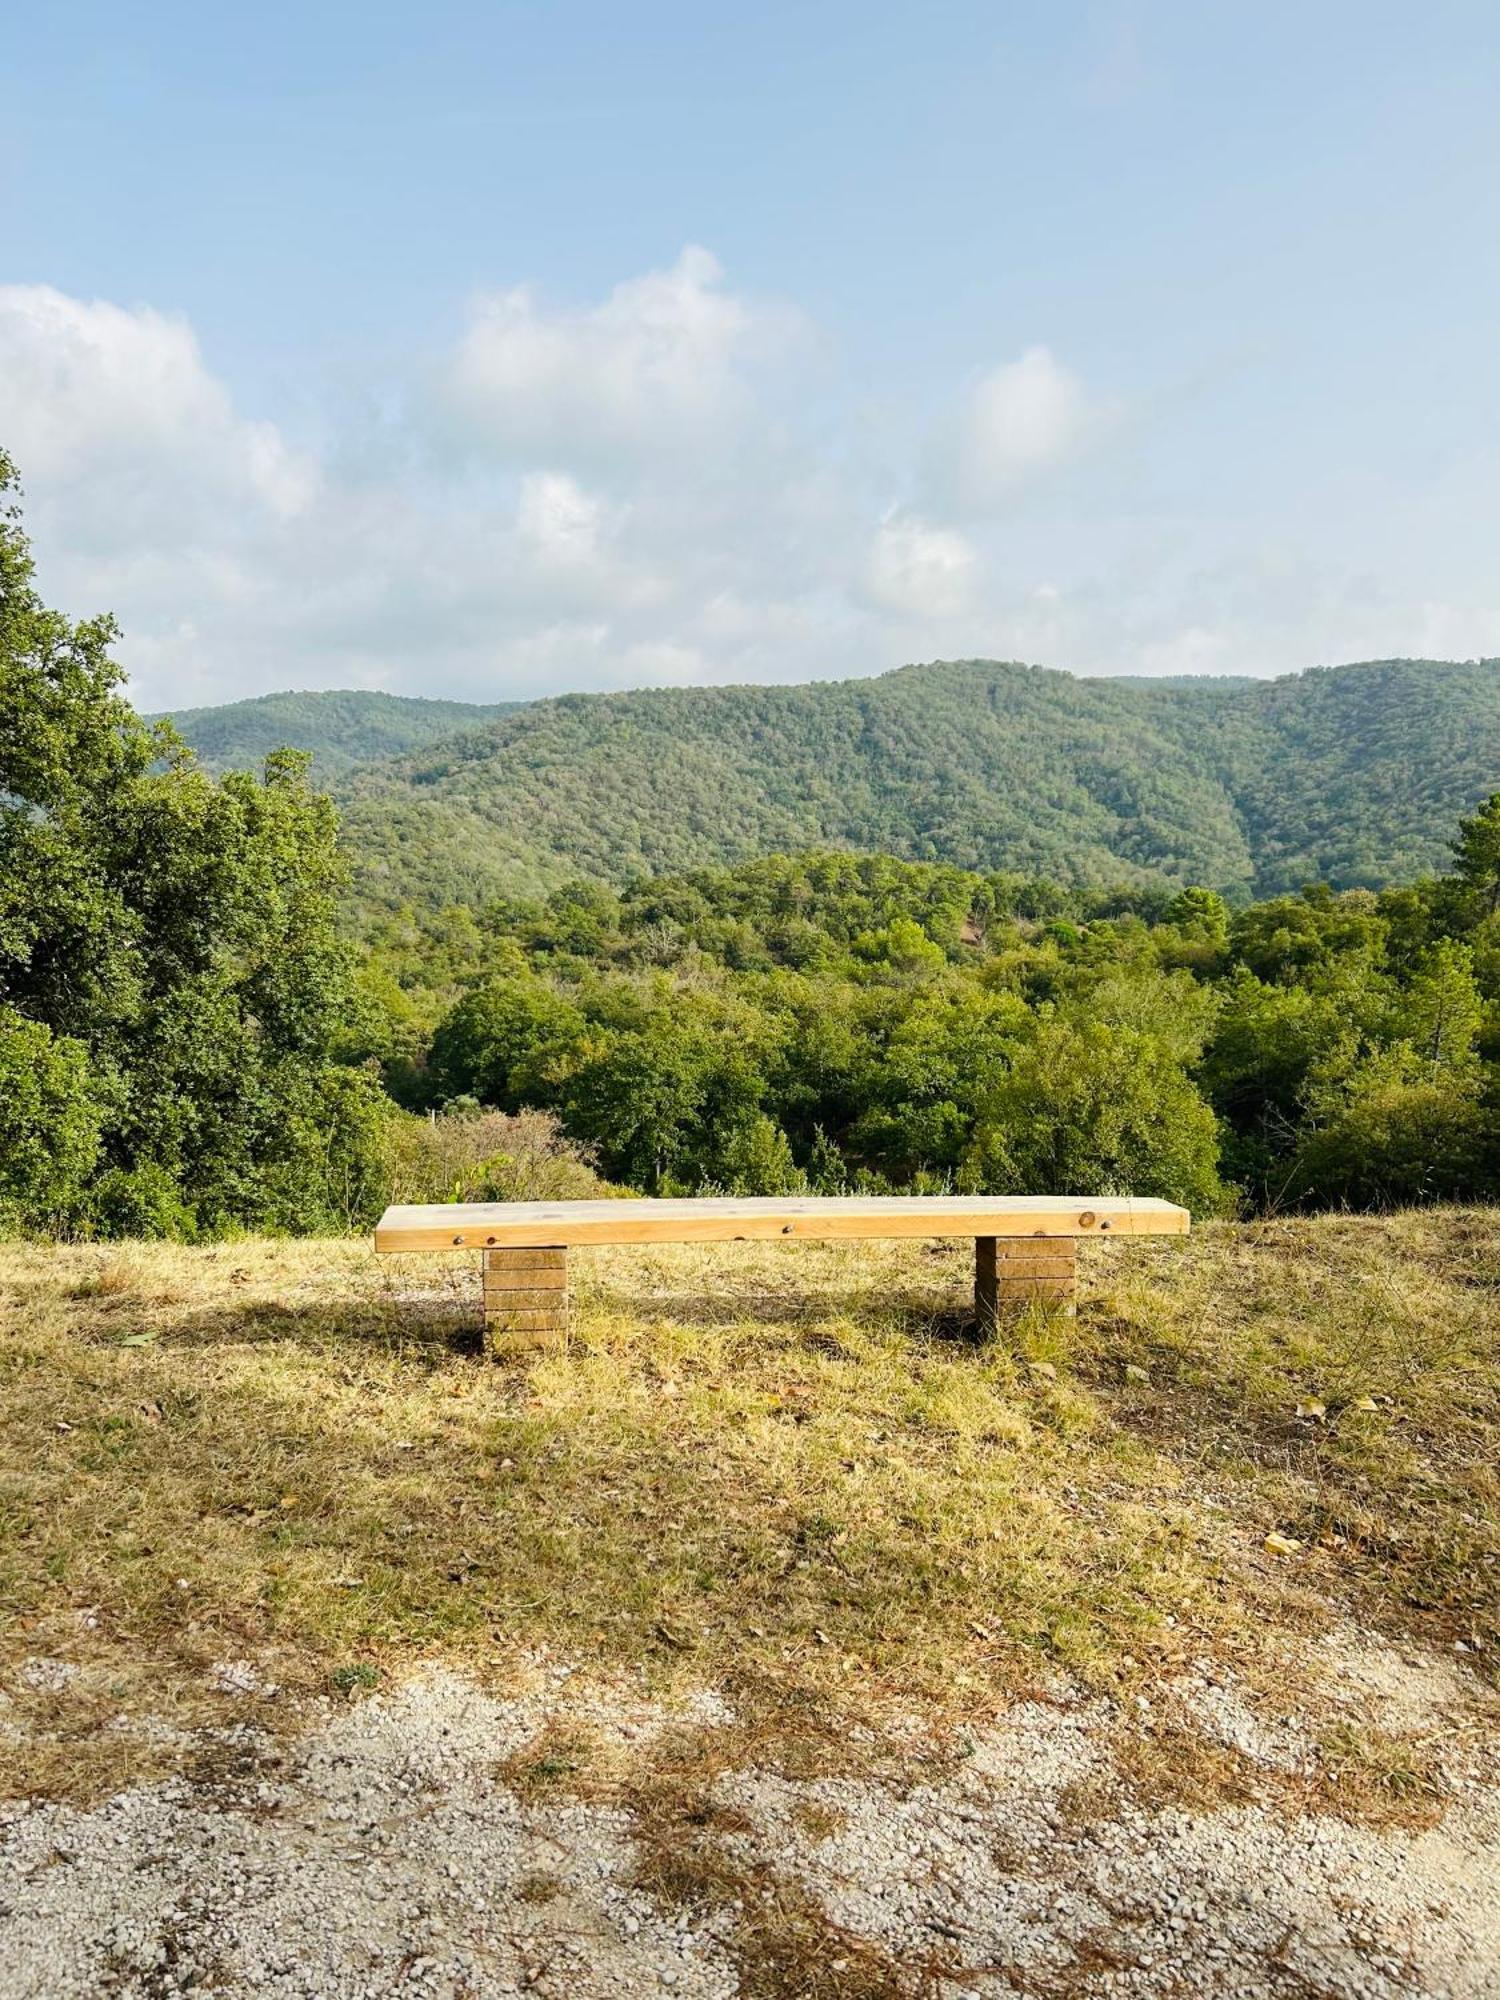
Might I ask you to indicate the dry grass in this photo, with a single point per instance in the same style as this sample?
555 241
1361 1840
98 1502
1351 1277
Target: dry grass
1338 1379
770 1468
1381 1778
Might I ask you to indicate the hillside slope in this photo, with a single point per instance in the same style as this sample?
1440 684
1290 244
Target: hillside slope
1351 774
342 727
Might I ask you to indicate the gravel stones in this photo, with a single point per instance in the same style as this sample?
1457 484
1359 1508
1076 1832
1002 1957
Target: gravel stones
384 1853
389 1857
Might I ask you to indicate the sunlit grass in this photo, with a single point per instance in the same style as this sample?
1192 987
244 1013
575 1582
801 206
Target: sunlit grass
1344 1375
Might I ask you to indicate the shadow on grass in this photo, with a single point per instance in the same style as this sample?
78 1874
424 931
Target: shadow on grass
958 1328
913 1311
430 1329
433 1325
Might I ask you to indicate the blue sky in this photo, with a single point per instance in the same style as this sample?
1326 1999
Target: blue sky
501 350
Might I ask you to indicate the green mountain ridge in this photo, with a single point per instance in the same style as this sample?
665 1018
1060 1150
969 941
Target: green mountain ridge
1348 774
342 727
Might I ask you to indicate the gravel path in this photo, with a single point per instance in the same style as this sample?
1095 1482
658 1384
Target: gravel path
385 1854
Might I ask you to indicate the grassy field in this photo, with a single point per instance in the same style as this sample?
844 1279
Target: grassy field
785 1471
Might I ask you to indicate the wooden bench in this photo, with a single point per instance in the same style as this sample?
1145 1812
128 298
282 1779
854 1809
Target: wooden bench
1025 1245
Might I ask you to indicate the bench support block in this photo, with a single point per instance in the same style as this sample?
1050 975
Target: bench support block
1014 1272
525 1301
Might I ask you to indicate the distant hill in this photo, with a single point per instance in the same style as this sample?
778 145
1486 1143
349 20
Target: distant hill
1352 774
342 728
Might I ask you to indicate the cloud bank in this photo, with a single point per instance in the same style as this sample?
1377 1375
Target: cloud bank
654 487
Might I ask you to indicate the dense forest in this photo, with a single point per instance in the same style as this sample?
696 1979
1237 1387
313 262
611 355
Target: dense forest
832 1021
191 1043
1350 775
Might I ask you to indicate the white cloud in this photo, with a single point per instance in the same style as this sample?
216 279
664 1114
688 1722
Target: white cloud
648 490
237 562
570 546
1016 421
666 360
558 520
920 570
116 403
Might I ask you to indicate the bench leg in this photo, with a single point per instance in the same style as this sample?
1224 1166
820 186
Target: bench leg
525 1300
1014 1272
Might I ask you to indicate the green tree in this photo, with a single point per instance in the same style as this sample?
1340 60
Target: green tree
1194 932
936 1062
180 932
50 1125
1440 1009
640 1097
505 1043
1089 1109
1301 939
1395 1132
756 1158
1476 855
1267 1042
902 947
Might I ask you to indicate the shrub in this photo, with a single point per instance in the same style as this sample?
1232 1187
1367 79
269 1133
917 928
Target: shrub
488 1156
141 1201
1405 1131
1089 1109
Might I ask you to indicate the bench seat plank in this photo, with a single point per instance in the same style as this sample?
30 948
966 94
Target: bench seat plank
722 1219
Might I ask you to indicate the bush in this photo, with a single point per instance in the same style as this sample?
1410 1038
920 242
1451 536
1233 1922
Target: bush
757 1159
491 1156
1406 1132
142 1201
1089 1109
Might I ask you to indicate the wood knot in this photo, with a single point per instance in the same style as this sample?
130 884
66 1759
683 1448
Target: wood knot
1087 1219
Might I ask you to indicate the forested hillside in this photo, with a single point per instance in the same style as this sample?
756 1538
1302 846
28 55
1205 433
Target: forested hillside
1348 775
340 728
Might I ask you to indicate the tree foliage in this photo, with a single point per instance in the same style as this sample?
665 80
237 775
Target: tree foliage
834 1022
170 970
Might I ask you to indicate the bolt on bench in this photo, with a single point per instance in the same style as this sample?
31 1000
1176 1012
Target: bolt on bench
1025 1245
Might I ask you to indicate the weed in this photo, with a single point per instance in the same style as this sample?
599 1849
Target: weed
354 1678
